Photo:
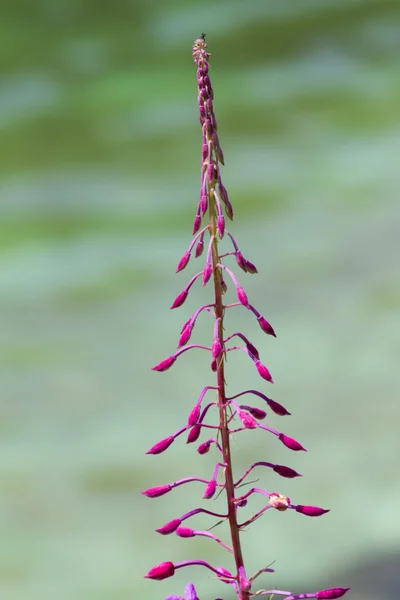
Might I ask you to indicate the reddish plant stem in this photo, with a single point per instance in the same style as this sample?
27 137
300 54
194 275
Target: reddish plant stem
223 425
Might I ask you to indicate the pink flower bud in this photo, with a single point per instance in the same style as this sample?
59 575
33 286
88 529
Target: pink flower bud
279 502
204 152
207 271
277 408
331 594
221 226
228 209
213 366
242 503
157 491
169 527
242 296
199 248
210 489
291 443
185 335
263 371
165 364
193 434
196 224
161 446
252 349
203 204
210 172
285 471
224 573
180 299
265 326
161 571
216 349
311 511
248 421
185 532
240 261
250 267
183 262
256 412
194 415
204 447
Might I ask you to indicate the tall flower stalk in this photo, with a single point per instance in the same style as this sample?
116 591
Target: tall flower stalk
210 228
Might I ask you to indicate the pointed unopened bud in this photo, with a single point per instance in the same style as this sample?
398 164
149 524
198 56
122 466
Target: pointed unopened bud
252 349
196 224
180 299
241 263
265 326
156 492
210 489
199 248
203 204
263 371
242 502
228 209
216 349
250 267
331 594
311 511
190 592
242 296
194 415
169 527
291 443
165 364
277 408
248 421
193 434
185 335
207 271
256 412
161 571
221 226
279 502
213 366
161 446
285 471
183 262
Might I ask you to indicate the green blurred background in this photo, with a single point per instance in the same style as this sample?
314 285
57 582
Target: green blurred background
99 165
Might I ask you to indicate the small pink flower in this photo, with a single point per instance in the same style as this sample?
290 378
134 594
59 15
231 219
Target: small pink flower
279 502
248 421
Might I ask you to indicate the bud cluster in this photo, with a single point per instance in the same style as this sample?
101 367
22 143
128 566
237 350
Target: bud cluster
234 417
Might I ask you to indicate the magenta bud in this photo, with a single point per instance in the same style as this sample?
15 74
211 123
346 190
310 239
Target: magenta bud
203 204
265 326
210 489
240 260
250 267
199 248
291 443
248 421
161 571
228 209
224 573
311 511
242 503
257 413
204 447
165 364
210 171
221 226
183 262
196 224
161 446
216 349
185 335
157 491
242 296
263 371
207 273
277 408
331 594
180 299
213 366
204 152
285 471
193 434
194 415
185 532
169 527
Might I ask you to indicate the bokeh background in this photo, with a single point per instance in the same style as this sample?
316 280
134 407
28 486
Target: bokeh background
99 164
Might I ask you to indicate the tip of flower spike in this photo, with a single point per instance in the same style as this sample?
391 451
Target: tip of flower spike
161 571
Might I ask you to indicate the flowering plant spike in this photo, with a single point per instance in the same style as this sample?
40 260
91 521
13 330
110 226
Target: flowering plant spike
209 232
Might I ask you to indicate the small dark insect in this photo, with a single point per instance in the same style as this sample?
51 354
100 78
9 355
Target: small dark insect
203 36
